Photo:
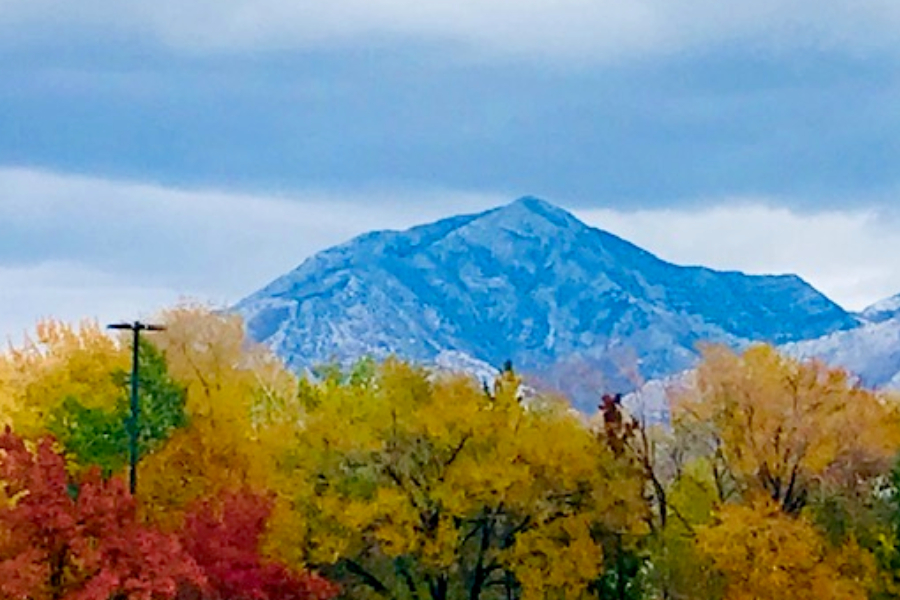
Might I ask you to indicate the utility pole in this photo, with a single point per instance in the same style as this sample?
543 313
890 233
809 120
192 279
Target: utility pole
133 430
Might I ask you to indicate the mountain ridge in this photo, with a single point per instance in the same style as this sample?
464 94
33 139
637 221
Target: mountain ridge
531 283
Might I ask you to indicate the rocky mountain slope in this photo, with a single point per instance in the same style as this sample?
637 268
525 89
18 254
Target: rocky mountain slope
575 306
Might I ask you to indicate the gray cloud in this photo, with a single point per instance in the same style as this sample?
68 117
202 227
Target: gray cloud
72 245
72 291
587 29
849 254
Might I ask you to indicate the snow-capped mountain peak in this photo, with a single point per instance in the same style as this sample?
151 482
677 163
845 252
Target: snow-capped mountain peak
526 282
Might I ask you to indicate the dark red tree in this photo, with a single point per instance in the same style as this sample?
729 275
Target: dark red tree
78 540
223 536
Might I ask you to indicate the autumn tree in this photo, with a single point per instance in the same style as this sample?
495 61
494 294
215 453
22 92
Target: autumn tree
99 436
73 382
765 554
240 407
78 540
213 405
770 447
224 536
782 427
416 486
60 362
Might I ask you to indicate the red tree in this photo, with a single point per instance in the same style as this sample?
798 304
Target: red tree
223 537
65 540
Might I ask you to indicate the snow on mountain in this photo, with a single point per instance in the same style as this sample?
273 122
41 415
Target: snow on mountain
889 308
453 361
871 352
576 307
651 402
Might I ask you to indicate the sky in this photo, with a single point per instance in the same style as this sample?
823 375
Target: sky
157 151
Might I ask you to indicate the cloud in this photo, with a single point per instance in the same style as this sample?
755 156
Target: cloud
848 254
82 246
591 29
72 292
74 246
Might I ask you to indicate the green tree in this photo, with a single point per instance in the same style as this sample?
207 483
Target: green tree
99 436
74 383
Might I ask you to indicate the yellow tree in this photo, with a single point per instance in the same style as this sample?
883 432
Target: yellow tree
418 486
781 427
239 398
765 554
72 382
61 361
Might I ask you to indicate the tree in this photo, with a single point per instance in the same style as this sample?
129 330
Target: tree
679 495
886 546
240 407
73 383
224 537
417 486
78 540
62 362
781 427
99 436
765 554
788 458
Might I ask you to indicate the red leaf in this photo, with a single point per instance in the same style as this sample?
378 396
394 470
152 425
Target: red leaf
223 536
89 548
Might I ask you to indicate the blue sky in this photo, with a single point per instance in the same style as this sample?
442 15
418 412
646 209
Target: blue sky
154 150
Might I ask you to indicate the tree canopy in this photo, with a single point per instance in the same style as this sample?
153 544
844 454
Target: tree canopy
777 478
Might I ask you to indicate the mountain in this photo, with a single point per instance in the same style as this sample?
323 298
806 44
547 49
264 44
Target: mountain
870 351
576 307
885 310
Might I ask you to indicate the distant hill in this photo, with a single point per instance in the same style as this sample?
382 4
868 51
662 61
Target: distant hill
870 351
885 310
576 307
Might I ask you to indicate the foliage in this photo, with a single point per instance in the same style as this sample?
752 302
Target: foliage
396 482
92 436
98 436
240 405
431 487
754 431
74 383
65 540
780 427
223 537
887 546
766 554
62 362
